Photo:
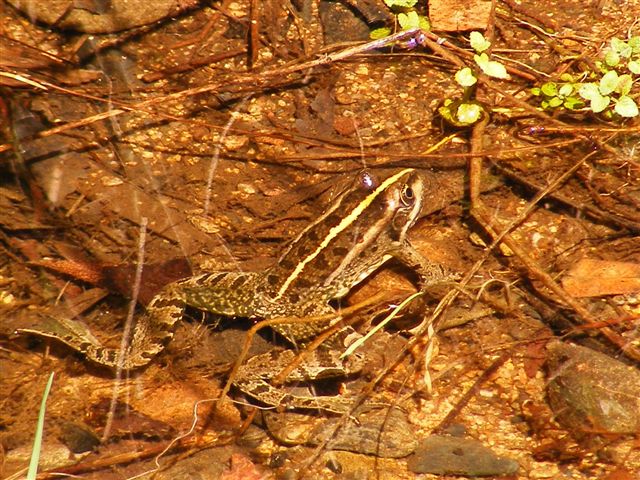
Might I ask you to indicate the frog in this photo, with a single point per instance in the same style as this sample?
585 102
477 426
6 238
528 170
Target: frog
364 226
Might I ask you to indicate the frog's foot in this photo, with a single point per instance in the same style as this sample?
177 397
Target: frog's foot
254 376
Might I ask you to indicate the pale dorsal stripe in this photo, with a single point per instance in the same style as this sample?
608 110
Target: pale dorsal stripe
335 231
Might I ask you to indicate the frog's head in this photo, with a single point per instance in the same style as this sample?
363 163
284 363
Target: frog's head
404 198
394 204
364 227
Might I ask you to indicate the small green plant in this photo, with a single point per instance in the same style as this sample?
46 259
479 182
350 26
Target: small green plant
607 92
465 111
406 17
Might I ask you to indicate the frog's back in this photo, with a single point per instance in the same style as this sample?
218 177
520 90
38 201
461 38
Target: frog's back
362 228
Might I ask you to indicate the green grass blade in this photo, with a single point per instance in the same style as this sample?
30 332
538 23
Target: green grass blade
37 442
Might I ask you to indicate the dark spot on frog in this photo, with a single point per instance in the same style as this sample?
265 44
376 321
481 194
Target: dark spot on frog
340 251
238 282
309 310
303 283
259 389
321 262
287 264
333 219
334 465
278 460
294 298
311 235
213 278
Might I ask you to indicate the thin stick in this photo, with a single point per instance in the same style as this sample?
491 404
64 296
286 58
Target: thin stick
128 327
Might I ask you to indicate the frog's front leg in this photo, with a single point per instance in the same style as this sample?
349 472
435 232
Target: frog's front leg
430 272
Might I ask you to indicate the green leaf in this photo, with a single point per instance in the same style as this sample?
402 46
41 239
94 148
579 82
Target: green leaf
550 89
536 91
468 113
608 82
634 67
478 42
480 59
626 107
588 91
598 104
591 92
565 90
573 103
634 43
626 52
567 77
465 77
379 33
445 111
490 67
400 3
616 44
555 102
625 82
621 47
612 58
424 23
409 20
496 70
459 113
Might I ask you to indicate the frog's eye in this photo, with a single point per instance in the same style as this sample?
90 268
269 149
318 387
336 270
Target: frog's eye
367 180
407 195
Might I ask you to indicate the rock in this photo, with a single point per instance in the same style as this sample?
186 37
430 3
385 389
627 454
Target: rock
377 432
343 24
78 437
592 392
459 15
442 455
100 17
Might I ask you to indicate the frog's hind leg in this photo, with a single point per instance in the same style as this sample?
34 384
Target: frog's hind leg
254 378
155 329
151 333
231 294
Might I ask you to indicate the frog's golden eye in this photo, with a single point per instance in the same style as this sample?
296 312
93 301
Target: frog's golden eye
407 195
